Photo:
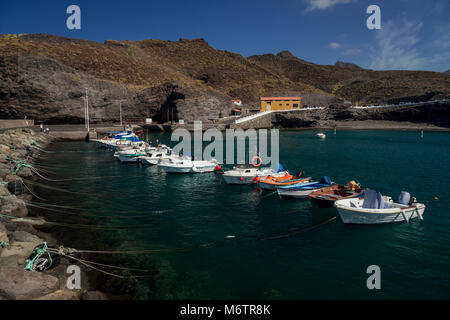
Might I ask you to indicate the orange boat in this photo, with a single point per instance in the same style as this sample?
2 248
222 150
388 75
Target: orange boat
326 197
271 183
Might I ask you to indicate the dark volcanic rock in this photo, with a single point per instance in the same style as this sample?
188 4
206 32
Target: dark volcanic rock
45 78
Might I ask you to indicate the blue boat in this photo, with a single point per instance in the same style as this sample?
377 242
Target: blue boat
302 190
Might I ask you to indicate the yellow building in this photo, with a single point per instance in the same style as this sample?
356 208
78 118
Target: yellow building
280 103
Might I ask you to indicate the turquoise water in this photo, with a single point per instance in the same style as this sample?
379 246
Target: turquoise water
327 262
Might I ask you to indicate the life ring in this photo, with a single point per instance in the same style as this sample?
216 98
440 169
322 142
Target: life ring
256 165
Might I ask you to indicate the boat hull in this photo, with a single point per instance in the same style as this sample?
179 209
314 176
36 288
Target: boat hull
350 216
149 161
128 159
267 186
190 169
238 180
292 193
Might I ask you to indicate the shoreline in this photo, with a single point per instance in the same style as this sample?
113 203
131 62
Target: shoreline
72 132
374 125
21 230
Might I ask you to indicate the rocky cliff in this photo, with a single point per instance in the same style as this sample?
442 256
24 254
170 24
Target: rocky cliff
45 77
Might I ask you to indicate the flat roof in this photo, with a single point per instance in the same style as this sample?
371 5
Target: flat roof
279 98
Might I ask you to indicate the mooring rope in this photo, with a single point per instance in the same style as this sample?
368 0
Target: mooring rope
52 188
34 145
246 239
80 226
32 193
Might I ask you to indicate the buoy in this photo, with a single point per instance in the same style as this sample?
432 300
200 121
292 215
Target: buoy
436 198
421 134
258 163
241 179
217 168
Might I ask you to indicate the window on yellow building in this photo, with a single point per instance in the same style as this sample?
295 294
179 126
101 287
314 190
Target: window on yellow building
295 105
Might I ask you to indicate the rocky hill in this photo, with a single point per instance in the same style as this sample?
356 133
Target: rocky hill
346 65
45 77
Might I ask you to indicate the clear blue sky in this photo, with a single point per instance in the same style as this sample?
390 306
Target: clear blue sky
415 34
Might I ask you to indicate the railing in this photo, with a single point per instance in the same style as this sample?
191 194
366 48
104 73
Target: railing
253 116
257 115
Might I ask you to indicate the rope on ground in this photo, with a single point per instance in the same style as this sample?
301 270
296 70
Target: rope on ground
4 244
38 262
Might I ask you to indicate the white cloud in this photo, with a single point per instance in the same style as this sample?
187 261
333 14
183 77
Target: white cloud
324 4
334 45
396 47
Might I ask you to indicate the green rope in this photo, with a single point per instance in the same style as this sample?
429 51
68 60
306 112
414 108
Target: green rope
31 264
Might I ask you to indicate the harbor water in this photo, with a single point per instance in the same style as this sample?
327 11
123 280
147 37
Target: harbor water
219 241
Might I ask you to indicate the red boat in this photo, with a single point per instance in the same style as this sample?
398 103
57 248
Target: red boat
326 197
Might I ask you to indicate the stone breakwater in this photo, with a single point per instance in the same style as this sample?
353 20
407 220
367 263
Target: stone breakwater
18 237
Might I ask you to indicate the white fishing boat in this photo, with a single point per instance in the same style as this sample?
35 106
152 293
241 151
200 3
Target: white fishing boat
177 164
247 175
376 209
321 135
155 156
132 154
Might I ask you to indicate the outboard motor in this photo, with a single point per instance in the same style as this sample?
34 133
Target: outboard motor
325 180
404 198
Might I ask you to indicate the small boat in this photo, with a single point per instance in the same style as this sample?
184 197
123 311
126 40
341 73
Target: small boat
155 156
321 135
326 196
184 164
116 139
375 208
272 183
244 174
302 190
131 155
